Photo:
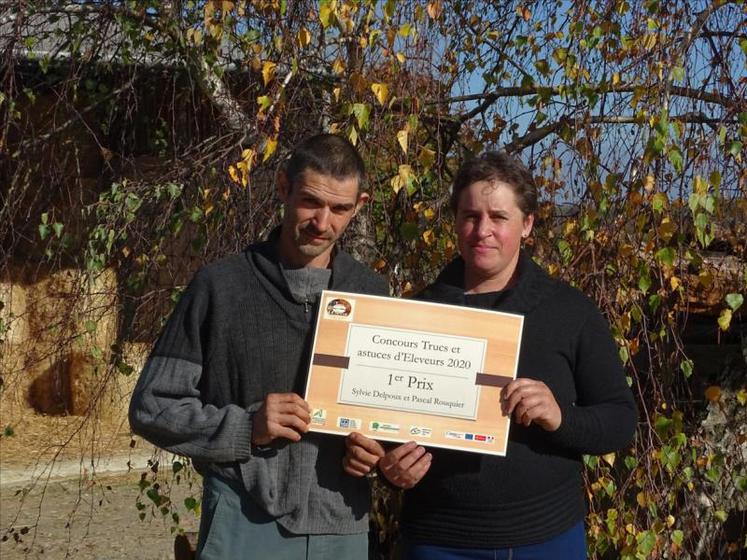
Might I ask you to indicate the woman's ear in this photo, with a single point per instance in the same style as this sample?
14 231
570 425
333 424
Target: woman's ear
528 223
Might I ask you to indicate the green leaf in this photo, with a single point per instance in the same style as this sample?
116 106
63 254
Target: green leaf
8 431
675 157
644 282
677 537
720 515
686 366
658 202
735 147
362 112
190 503
734 301
666 256
646 542
565 251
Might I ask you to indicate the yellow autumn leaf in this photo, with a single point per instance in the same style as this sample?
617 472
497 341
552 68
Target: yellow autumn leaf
649 42
304 37
742 396
402 178
325 13
403 138
233 174
270 147
429 237
609 458
705 278
724 320
648 183
615 78
713 393
641 499
667 229
381 91
426 158
268 71
434 9
338 67
243 172
429 214
336 92
401 58
701 186
675 283
405 171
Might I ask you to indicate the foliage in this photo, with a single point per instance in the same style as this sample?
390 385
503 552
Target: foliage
155 129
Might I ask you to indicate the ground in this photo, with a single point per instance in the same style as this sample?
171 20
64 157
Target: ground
69 489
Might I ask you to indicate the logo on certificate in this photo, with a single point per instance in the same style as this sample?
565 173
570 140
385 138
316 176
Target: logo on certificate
420 431
339 308
455 435
349 423
384 427
319 416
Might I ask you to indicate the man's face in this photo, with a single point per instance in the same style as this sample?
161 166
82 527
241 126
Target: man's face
318 208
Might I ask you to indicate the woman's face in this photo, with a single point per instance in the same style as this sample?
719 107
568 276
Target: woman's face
490 226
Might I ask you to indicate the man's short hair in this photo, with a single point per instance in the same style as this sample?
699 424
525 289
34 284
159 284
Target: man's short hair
327 154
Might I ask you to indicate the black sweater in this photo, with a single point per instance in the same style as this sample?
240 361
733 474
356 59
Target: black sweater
535 492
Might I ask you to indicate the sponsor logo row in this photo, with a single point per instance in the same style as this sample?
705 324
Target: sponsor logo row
319 417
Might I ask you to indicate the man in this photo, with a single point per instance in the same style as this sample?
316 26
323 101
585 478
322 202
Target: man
223 382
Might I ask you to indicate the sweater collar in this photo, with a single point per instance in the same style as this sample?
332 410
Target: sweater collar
268 261
531 286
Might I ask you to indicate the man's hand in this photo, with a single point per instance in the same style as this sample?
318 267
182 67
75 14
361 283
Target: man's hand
283 415
361 454
530 401
405 465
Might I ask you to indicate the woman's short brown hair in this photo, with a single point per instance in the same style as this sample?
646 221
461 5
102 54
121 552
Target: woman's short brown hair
497 166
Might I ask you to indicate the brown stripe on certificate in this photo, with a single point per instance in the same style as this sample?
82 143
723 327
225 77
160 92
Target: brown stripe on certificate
492 380
330 360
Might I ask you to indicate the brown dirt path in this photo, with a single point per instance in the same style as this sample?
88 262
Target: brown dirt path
87 520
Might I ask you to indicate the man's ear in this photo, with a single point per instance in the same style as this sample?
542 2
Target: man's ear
282 184
362 200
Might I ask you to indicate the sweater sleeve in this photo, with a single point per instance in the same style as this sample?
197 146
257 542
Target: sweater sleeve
603 418
166 406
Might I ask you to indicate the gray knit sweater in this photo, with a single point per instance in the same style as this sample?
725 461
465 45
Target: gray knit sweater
236 335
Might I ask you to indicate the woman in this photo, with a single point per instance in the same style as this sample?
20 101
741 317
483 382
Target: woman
570 396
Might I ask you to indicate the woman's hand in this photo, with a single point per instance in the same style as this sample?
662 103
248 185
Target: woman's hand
405 465
361 454
530 401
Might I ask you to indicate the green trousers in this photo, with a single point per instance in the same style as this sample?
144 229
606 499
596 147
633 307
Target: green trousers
233 527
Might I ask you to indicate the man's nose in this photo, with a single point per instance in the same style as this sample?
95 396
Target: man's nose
321 219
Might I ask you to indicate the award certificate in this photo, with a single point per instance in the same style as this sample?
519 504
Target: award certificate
402 370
